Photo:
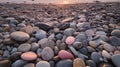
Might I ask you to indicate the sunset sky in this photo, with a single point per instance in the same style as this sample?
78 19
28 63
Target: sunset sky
53 1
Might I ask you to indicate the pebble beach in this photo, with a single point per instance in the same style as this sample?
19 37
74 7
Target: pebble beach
60 35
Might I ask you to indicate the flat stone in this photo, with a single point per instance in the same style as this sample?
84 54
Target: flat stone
116 33
43 64
108 47
91 63
5 63
19 36
115 41
96 57
29 56
69 31
116 60
78 62
24 47
47 53
19 63
64 63
29 65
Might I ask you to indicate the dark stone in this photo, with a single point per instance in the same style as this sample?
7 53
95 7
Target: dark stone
64 26
91 63
4 63
15 56
115 41
64 63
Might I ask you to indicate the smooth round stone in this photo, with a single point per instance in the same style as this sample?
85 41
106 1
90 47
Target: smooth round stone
116 60
70 40
96 57
80 25
43 64
81 36
28 29
62 46
83 50
69 31
24 47
29 56
34 46
59 36
29 65
89 32
91 63
64 63
14 50
47 53
65 54
115 41
108 47
19 36
78 62
40 34
90 49
15 56
105 54
116 33
77 45
19 63
42 41
93 44
4 63
101 33
49 43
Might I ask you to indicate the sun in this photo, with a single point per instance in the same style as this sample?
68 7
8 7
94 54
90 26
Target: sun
66 2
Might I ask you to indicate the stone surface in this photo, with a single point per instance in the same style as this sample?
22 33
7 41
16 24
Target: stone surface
115 41
5 63
64 63
47 53
65 54
70 40
91 63
69 31
40 34
43 64
19 36
24 47
29 56
78 62
108 47
116 60
19 63
116 33
29 65
105 54
96 57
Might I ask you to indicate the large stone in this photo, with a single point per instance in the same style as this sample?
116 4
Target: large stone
64 63
43 64
69 31
116 33
19 36
4 63
24 47
116 60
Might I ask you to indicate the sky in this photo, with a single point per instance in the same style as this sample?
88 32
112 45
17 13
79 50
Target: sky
53 1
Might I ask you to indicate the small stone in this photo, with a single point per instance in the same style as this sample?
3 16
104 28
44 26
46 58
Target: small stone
64 26
105 54
19 63
4 63
40 34
65 54
64 63
93 44
43 64
101 33
67 19
70 40
77 45
91 63
115 41
6 54
69 31
108 47
29 65
81 36
78 63
24 47
96 57
29 56
105 65
116 33
28 29
47 53
19 36
62 46
15 56
116 60
34 46
59 36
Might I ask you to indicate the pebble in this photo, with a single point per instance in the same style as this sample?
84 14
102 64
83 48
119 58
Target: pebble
43 64
6 54
15 56
96 57
64 26
19 63
93 44
80 37
101 33
47 53
116 33
29 65
29 56
116 59
67 19
62 46
65 54
5 63
78 62
43 27
59 36
77 45
91 63
28 29
69 31
64 63
40 34
108 47
34 46
70 40
105 54
115 41
24 47
19 36
105 65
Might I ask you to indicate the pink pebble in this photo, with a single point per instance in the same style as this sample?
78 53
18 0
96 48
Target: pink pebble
70 40
65 55
29 56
